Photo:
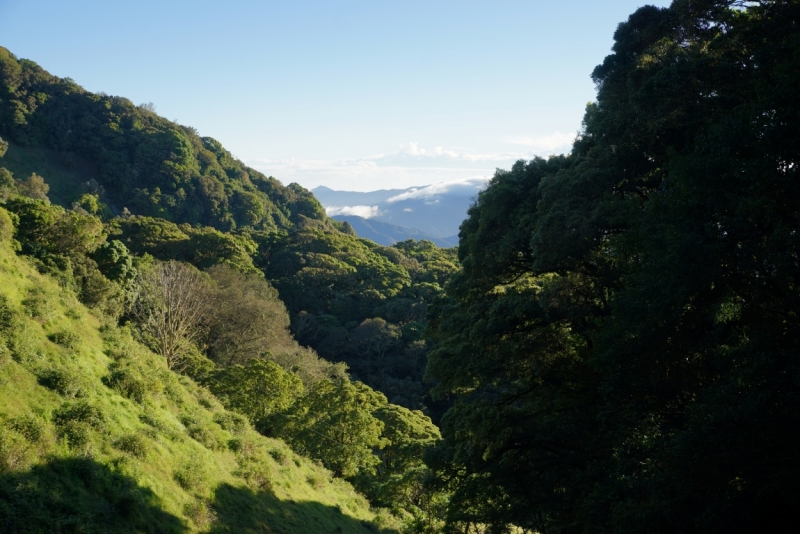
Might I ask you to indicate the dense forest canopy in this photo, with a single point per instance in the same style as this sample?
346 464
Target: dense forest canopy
623 338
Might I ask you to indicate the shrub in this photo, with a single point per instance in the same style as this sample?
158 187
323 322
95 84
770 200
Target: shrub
193 477
14 450
130 381
77 433
65 383
162 426
37 305
207 399
232 422
256 472
279 456
75 421
6 224
315 481
23 345
201 514
65 338
29 426
133 444
81 412
5 354
204 434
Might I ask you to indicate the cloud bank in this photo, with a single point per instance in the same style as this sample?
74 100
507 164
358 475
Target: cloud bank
412 165
467 188
366 212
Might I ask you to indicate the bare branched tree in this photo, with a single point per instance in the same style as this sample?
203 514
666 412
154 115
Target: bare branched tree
172 308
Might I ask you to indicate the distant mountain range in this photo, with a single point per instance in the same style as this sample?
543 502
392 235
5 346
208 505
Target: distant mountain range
432 212
387 234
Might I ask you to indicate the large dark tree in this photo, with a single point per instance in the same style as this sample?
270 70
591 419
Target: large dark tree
623 341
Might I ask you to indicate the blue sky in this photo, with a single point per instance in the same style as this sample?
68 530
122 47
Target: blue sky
357 95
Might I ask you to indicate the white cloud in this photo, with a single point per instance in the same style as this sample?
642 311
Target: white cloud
366 212
412 165
463 187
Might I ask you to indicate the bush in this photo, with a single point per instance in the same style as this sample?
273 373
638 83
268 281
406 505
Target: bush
65 383
130 381
14 450
279 456
232 422
6 225
77 433
37 305
29 426
65 338
201 514
193 477
75 422
256 472
133 444
204 434
207 399
162 426
80 412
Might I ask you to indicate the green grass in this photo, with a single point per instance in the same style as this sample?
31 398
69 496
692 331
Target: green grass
83 449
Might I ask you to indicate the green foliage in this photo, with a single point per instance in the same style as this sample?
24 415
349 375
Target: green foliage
66 383
79 412
7 185
249 320
3 147
205 432
133 380
115 262
621 340
14 450
193 477
103 464
75 421
202 247
133 444
29 426
6 223
37 305
352 300
258 389
65 338
33 187
334 423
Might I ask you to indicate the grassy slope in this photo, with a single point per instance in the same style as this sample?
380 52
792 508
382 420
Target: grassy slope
160 463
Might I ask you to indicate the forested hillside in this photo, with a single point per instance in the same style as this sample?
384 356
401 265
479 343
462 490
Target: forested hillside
163 234
178 196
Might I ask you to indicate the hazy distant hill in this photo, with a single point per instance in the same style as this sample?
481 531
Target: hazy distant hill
436 210
387 234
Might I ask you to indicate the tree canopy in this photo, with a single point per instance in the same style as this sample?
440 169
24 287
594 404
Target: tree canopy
622 339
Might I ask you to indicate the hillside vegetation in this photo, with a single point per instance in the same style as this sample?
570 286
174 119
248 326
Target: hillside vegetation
98 435
180 196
